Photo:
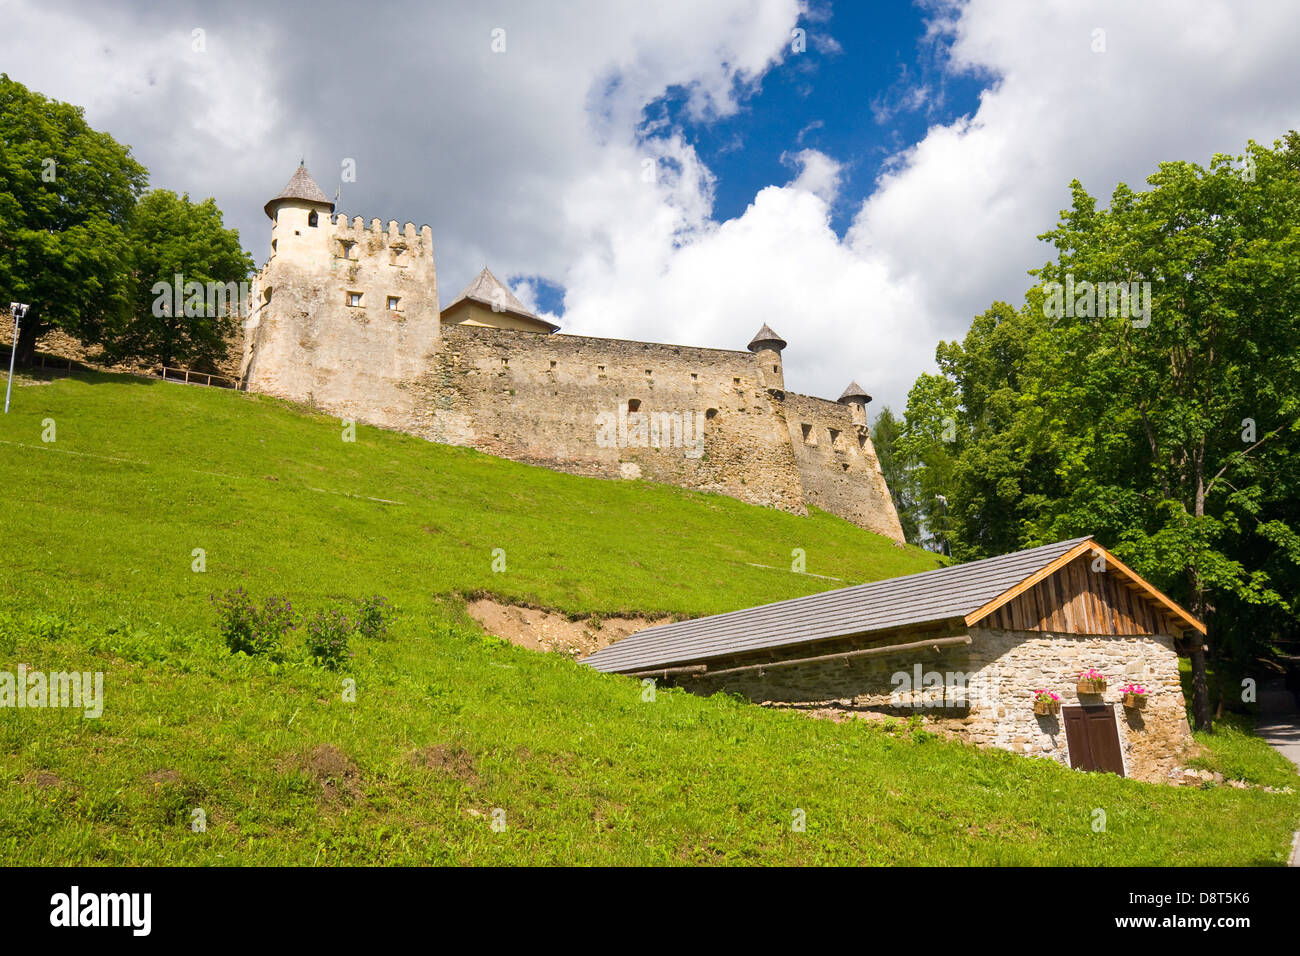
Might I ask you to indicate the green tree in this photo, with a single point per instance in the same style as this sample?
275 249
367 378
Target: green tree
172 237
66 195
929 445
1167 424
1184 421
885 435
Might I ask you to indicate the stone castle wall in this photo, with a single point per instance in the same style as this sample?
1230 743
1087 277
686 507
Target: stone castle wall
838 465
694 417
707 419
1002 669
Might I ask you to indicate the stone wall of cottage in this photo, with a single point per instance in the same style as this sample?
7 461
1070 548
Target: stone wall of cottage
983 691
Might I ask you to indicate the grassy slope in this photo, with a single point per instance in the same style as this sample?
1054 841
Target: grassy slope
96 556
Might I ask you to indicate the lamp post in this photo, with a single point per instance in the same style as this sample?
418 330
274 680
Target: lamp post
19 310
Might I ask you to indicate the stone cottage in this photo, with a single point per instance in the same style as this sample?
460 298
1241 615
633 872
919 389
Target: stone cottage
979 649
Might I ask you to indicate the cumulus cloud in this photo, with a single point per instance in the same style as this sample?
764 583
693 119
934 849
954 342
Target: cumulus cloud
539 159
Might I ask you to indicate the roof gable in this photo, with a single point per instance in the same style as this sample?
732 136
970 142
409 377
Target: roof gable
963 594
488 289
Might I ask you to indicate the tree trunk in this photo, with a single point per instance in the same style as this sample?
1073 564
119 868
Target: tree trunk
1201 719
28 332
1200 680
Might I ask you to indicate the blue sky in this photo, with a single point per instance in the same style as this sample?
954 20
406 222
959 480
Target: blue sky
850 99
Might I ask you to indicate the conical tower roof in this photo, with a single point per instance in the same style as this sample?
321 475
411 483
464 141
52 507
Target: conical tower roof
854 392
766 337
300 186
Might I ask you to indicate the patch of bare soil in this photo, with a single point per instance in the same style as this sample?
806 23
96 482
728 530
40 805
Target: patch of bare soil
338 777
547 631
453 761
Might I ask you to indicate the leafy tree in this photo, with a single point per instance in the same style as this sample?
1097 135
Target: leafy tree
66 194
929 446
171 236
885 434
1169 426
1184 423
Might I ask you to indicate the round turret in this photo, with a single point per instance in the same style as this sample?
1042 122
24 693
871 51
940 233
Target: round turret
766 346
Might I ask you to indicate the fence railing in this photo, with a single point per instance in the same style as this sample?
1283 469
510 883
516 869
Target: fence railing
189 377
58 366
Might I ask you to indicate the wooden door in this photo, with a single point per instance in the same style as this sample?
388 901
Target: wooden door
1093 738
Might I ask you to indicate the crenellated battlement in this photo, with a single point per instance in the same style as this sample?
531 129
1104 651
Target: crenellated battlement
356 225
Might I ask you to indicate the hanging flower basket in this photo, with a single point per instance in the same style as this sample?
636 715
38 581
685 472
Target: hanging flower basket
1091 681
1045 703
1135 696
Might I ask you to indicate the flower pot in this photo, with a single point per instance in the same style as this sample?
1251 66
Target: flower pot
1091 687
1136 701
1045 707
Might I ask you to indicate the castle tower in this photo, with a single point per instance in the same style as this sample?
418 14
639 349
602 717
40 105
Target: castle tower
856 398
766 346
344 314
300 221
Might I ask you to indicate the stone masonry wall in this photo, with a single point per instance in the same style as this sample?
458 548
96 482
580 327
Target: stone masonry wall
1000 670
698 418
838 465
305 342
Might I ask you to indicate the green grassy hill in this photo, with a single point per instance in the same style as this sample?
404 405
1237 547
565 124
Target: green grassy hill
98 530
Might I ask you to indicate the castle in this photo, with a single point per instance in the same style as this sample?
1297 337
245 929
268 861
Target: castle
344 316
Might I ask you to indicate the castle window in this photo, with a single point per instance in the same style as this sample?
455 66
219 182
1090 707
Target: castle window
633 405
311 219
776 368
711 414
862 441
552 363
392 303
354 298
736 381
809 436
647 371
694 377
600 368
346 248
835 437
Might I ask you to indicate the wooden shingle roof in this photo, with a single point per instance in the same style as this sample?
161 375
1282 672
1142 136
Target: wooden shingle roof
300 186
967 592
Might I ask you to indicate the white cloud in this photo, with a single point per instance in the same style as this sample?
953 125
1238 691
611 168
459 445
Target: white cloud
531 160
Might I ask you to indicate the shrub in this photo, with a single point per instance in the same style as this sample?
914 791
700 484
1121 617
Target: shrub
258 632
373 615
327 638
